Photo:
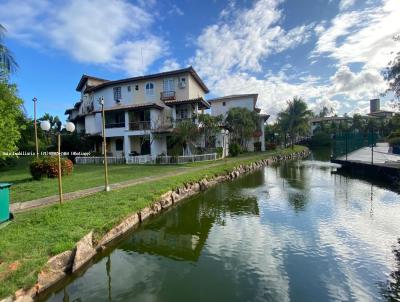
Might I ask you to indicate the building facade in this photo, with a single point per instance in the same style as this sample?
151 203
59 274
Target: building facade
221 106
140 112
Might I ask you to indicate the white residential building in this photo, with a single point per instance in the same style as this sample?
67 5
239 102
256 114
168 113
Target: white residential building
140 112
221 106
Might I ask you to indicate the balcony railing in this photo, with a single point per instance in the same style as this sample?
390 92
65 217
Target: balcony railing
141 125
115 125
167 95
187 119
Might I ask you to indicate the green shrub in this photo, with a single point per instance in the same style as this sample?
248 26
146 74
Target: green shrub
234 149
219 151
321 139
48 166
394 141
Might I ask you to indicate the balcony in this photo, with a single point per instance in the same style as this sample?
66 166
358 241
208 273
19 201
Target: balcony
115 125
140 125
167 95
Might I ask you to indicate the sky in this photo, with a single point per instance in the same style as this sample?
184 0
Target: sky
328 52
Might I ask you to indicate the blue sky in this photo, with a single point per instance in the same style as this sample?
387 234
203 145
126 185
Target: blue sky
330 52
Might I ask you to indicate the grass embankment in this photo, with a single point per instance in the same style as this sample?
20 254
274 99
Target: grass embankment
28 242
84 176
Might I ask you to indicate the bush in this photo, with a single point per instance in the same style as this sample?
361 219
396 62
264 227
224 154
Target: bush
257 146
271 146
234 149
48 167
394 141
219 151
321 139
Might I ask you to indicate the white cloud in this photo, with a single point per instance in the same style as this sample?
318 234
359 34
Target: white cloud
332 105
110 33
273 90
242 39
363 36
345 4
175 10
231 52
368 83
237 45
170 64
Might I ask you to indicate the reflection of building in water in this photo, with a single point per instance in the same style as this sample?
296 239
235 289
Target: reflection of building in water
181 233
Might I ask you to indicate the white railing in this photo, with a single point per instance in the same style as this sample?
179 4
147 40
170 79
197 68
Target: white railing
96 160
145 159
166 160
140 159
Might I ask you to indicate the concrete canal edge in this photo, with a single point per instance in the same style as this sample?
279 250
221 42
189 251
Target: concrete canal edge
384 172
63 265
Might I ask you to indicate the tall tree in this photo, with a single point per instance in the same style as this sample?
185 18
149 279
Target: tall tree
209 127
185 134
242 124
7 62
392 73
294 120
10 115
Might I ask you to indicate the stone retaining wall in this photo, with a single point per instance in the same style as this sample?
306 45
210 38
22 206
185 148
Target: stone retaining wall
69 262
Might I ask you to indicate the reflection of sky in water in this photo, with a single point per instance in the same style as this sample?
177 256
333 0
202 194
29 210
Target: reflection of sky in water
292 232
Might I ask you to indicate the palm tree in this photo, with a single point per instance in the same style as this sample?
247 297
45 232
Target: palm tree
7 63
294 119
186 134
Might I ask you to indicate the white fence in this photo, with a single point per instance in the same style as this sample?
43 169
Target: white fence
96 160
146 159
166 160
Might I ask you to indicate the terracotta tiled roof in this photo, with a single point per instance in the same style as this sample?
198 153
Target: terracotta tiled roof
234 96
141 78
133 107
202 103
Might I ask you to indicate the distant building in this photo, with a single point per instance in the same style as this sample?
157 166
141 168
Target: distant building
375 110
221 106
140 112
316 122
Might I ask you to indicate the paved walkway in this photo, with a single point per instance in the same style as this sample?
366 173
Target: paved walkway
381 155
18 207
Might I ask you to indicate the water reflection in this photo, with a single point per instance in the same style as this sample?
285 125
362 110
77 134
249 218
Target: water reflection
291 232
181 235
391 289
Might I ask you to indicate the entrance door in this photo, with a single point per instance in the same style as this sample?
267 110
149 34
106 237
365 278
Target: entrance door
169 85
145 147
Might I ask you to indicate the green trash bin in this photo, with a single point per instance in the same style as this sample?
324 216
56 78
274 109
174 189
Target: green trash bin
4 202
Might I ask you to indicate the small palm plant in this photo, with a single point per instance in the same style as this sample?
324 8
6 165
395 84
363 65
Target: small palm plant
7 62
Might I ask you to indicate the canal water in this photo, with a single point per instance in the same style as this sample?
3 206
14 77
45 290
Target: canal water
296 232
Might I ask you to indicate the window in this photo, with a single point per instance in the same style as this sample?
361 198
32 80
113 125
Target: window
137 87
129 88
223 103
117 93
149 89
169 84
119 145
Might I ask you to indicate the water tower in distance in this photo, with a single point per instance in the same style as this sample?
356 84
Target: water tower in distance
374 105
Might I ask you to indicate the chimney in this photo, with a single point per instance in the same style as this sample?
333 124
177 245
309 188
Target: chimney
374 105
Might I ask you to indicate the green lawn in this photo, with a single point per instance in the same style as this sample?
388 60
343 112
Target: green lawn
84 176
34 236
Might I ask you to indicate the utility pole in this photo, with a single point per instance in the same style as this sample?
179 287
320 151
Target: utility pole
372 147
106 186
35 125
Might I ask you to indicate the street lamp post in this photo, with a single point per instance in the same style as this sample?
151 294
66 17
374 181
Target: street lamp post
34 119
70 127
103 124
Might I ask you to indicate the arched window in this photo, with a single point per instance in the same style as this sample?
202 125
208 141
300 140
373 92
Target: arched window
149 89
